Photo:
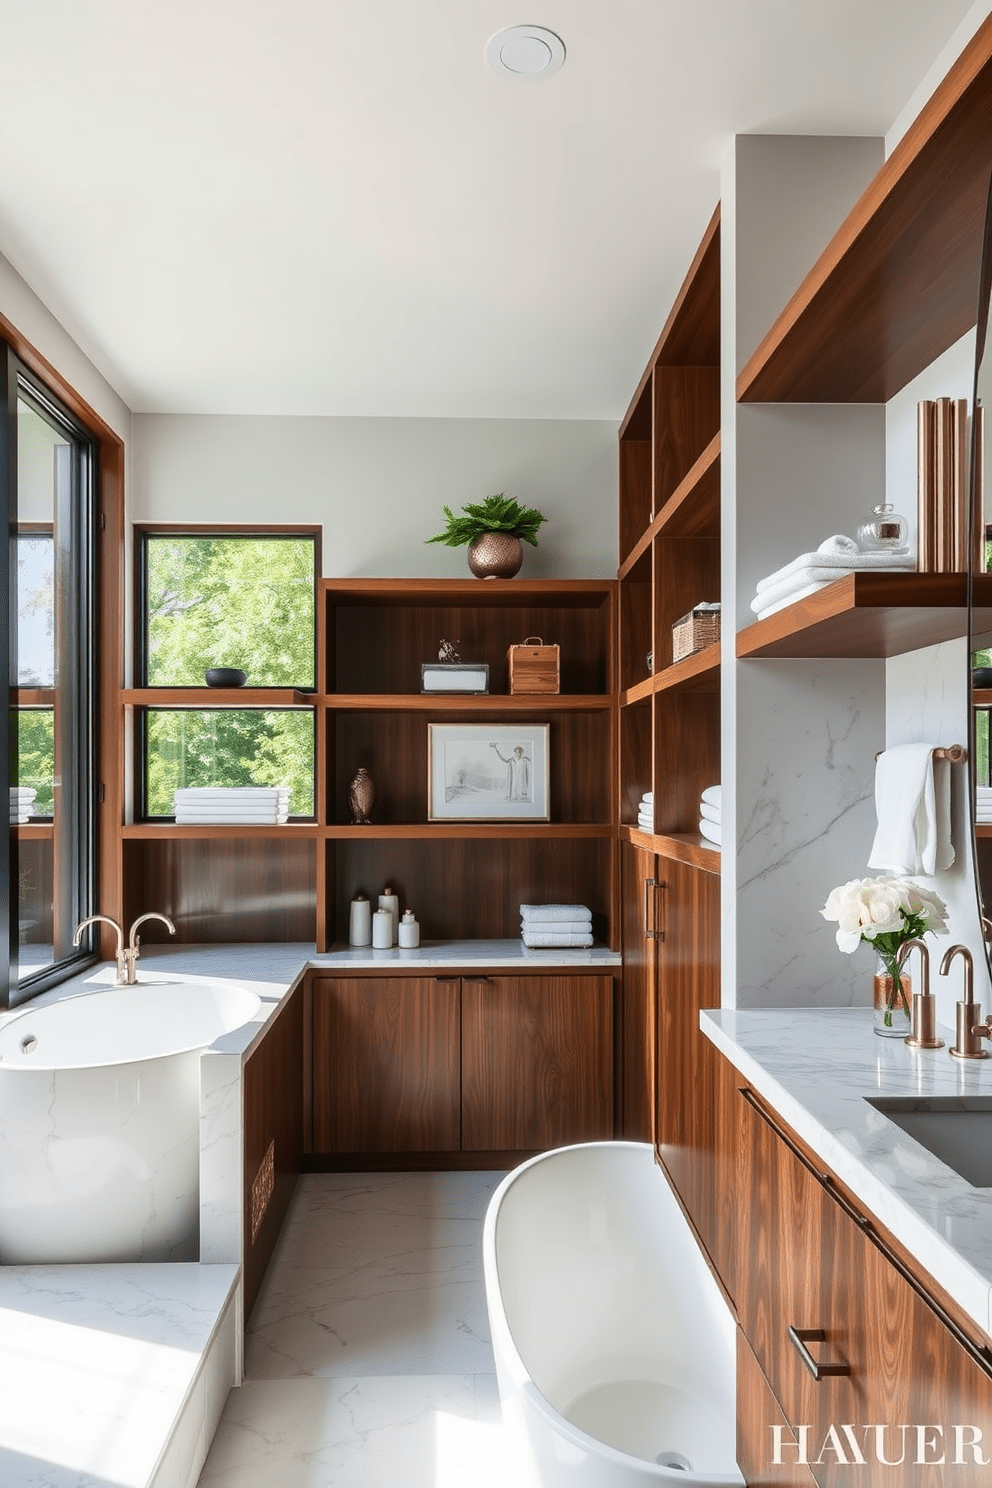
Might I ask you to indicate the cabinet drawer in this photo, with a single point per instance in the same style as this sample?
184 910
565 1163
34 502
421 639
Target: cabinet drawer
763 1433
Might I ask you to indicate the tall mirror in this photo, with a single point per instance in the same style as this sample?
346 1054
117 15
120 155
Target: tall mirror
980 595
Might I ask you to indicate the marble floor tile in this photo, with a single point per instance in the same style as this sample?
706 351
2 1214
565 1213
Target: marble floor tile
438 1431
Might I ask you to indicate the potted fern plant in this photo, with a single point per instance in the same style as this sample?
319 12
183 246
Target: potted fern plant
494 530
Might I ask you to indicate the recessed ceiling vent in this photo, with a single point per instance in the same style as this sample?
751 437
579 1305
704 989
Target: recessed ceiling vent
525 52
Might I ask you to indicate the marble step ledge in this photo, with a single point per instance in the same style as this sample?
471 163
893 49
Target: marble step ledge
113 1374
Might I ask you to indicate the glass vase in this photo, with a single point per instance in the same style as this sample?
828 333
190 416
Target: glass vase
892 999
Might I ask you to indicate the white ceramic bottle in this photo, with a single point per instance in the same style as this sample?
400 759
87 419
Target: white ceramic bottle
409 932
382 930
390 901
360 922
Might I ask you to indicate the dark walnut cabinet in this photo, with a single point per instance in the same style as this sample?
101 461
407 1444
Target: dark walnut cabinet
817 1276
458 1067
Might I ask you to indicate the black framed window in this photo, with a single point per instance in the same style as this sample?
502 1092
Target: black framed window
48 462
235 598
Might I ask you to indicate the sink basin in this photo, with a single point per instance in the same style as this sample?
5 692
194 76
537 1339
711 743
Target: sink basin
957 1129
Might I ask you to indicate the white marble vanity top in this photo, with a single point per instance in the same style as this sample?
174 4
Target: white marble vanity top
815 1066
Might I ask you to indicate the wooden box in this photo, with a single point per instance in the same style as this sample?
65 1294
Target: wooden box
534 667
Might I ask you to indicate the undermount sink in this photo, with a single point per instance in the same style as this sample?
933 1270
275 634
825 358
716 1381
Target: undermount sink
957 1129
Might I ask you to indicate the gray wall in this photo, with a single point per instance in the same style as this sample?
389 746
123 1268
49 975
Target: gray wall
378 485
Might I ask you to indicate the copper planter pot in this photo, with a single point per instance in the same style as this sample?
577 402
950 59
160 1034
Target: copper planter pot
495 555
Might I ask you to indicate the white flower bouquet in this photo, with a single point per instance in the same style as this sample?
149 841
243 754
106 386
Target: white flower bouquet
885 913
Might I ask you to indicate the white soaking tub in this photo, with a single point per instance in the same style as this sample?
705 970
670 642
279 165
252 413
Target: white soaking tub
614 1349
100 1120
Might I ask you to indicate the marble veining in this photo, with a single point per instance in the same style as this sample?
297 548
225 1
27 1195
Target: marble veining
815 1066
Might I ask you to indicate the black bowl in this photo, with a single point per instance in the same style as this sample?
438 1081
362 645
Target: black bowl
225 677
981 677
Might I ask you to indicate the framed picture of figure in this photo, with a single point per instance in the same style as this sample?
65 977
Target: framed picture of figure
488 772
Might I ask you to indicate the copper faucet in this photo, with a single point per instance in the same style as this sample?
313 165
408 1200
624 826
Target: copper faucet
968 1043
924 1034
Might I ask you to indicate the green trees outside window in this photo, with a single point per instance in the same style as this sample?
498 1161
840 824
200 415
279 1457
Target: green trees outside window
235 601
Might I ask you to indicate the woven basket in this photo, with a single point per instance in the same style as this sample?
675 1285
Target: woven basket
698 629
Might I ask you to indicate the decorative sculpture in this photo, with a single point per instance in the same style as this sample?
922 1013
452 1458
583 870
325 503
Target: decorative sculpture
361 797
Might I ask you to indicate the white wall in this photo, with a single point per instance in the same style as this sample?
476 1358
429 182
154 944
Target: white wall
37 324
378 485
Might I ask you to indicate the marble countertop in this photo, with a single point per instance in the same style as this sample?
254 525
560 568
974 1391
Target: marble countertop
815 1067
272 970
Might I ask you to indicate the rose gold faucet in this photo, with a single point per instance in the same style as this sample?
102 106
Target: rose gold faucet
924 1034
968 1043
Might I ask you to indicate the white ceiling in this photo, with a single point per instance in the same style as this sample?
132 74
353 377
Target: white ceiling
334 207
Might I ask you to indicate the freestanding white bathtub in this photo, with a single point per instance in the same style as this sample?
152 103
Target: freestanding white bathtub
614 1349
100 1118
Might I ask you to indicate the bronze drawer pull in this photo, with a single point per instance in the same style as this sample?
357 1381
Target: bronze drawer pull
800 1337
652 933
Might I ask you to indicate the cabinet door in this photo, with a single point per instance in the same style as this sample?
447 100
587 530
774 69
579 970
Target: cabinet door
765 1454
639 886
687 1063
537 1061
385 1064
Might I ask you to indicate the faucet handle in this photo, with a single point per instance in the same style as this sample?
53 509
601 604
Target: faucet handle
983 1030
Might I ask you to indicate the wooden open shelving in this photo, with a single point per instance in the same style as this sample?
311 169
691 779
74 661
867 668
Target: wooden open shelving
152 831
681 847
693 509
464 702
868 614
206 698
898 283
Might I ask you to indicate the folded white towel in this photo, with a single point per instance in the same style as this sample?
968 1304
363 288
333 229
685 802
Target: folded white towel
712 795
801 579
913 807
206 819
557 927
793 597
552 912
648 796
536 939
711 832
240 793
646 816
840 558
710 813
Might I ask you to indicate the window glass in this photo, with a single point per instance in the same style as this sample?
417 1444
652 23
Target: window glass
230 601
228 747
35 601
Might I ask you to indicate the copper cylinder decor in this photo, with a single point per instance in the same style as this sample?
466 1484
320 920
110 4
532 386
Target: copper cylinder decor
495 555
361 797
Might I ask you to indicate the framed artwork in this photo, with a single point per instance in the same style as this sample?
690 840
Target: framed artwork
488 772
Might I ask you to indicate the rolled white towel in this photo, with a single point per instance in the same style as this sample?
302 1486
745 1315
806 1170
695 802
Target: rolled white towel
552 912
648 797
711 813
713 796
711 832
544 939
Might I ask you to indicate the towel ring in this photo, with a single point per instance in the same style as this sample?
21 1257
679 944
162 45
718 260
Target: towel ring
956 753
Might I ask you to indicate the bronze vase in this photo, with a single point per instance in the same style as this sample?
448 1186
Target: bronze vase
361 797
495 555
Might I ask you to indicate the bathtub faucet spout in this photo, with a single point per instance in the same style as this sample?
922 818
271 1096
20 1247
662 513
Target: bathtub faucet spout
127 958
134 941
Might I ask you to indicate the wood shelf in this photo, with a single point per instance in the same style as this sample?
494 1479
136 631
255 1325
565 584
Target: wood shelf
153 830
40 831
683 847
32 697
203 698
446 702
469 593
898 283
983 829
864 615
699 672
692 510
491 831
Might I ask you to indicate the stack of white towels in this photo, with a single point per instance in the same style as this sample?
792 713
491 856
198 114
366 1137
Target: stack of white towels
645 812
264 805
834 559
983 803
545 925
21 803
711 815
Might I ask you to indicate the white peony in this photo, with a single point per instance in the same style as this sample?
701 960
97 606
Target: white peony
867 907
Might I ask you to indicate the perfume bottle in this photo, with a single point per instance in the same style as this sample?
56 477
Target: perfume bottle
885 528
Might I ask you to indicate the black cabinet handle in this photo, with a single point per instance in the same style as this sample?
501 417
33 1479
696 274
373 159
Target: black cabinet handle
800 1337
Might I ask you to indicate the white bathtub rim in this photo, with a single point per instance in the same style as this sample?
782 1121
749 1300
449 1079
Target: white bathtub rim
254 1009
509 1359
